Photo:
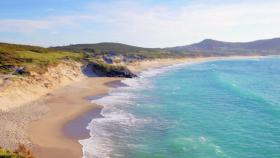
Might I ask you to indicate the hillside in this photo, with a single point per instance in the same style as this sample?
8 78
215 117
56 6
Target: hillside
24 59
207 47
21 59
214 47
117 49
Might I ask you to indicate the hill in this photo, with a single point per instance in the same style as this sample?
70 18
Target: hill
214 47
207 47
116 49
23 58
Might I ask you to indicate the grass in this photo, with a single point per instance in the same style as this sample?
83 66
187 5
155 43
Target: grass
32 58
104 66
102 49
23 59
108 70
8 154
20 152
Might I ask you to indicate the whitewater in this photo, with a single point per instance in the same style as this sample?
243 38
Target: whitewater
213 109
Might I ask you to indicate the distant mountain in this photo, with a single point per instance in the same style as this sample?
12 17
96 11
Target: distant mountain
209 46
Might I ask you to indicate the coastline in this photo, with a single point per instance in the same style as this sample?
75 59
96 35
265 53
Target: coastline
49 134
139 67
68 104
132 115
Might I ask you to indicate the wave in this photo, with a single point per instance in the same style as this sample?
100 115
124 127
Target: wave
249 95
100 143
200 143
117 121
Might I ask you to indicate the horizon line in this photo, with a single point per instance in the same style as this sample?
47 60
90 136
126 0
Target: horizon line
70 44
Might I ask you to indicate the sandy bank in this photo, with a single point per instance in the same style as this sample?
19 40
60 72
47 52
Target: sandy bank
65 104
16 91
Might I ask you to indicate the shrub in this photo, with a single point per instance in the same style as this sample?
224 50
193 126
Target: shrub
24 152
20 152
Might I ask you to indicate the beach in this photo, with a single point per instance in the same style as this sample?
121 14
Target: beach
65 104
64 113
211 109
53 135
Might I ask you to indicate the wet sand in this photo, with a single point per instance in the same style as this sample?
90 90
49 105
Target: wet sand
67 105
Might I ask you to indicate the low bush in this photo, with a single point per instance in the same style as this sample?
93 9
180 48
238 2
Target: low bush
20 152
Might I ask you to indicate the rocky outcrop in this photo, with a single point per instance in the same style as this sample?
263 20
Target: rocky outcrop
111 71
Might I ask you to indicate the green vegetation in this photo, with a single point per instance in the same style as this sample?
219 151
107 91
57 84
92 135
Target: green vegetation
102 49
20 152
103 69
205 48
23 59
104 66
31 58
7 154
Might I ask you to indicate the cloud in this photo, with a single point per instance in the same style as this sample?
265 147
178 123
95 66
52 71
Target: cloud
28 26
158 25
164 25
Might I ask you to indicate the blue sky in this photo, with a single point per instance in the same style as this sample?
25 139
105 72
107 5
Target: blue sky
148 23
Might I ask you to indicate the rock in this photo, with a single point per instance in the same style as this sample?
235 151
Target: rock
21 71
111 71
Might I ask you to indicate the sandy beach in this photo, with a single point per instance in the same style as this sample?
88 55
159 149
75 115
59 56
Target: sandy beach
137 79
52 135
65 104
65 112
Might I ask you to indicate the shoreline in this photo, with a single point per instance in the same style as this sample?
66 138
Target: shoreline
76 128
66 105
138 68
71 105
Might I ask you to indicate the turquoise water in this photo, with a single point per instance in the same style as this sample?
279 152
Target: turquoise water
218 109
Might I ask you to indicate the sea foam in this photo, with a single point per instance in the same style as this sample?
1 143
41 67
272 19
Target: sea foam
101 143
218 109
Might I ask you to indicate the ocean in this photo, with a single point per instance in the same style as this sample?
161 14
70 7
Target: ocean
214 109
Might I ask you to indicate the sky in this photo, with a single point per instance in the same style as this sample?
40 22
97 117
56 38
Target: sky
146 23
